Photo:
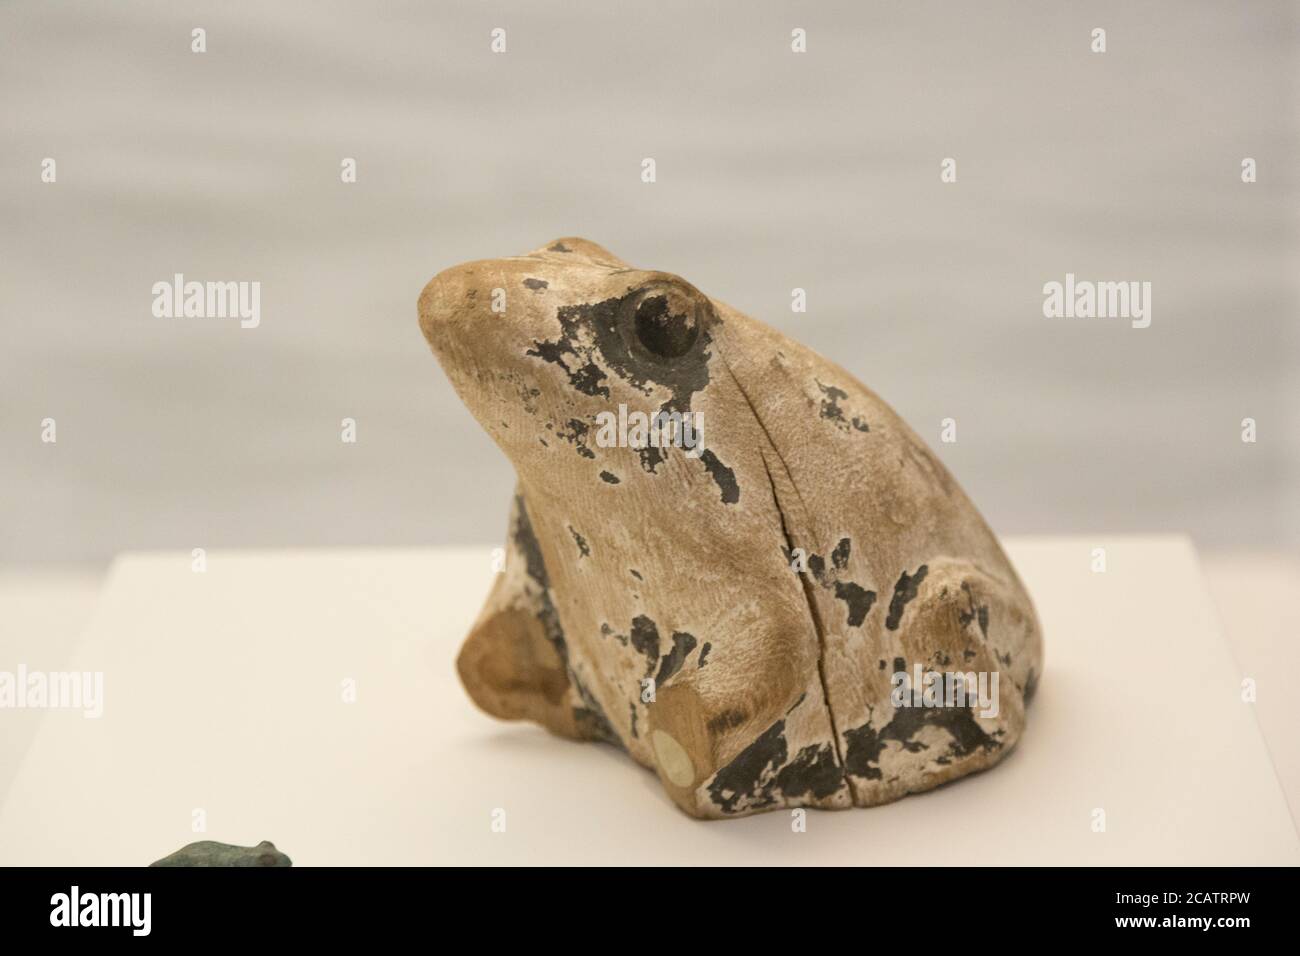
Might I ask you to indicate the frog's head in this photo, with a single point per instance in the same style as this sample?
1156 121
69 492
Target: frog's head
539 345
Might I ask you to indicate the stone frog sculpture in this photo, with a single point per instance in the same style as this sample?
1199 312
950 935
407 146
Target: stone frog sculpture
799 607
212 853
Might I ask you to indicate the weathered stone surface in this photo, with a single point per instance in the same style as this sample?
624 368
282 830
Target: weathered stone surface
211 853
768 585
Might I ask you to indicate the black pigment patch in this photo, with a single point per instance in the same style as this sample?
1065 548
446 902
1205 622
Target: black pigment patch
858 599
645 641
603 339
526 542
817 565
650 457
743 778
904 591
1031 685
632 708
577 437
636 574
862 752
585 377
672 662
813 770
583 550
589 718
831 411
537 285
704 654
609 478
760 773
722 476
608 329
866 744
558 247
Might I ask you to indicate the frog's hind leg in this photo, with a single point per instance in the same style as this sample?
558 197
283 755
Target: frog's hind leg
969 645
514 663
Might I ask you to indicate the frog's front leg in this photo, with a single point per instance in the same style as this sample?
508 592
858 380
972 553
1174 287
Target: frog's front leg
514 663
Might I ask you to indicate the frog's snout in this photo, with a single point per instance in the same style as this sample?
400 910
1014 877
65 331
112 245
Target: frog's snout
439 307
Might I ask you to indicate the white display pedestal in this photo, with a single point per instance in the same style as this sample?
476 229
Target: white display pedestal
223 696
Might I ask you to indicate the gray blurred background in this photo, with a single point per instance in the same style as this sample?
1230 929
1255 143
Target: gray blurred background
775 170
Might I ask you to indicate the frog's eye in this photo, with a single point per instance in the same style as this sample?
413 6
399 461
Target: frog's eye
666 318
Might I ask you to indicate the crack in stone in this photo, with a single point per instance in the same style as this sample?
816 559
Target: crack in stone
808 596
818 627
